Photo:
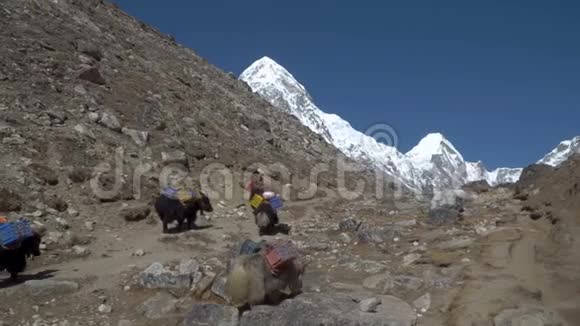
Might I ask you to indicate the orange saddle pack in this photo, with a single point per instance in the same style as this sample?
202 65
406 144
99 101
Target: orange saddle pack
278 255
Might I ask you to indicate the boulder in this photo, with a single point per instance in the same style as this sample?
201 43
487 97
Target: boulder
157 276
137 212
50 287
139 137
321 309
369 305
159 306
203 314
527 316
92 75
174 157
110 121
10 201
443 216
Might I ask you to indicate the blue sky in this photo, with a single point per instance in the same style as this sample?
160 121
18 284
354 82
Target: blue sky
500 79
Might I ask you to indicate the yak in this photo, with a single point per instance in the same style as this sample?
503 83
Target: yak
14 260
170 210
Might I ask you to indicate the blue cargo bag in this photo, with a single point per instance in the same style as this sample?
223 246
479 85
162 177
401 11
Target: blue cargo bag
276 202
13 233
250 247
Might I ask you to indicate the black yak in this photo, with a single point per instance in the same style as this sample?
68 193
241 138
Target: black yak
170 209
14 260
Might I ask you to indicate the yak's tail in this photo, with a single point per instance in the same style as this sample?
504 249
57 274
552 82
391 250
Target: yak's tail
237 284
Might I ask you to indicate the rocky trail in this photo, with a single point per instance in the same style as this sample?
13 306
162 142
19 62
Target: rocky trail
472 272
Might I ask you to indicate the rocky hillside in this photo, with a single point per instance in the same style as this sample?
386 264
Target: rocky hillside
80 79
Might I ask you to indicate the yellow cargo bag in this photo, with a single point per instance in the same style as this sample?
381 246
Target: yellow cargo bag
256 201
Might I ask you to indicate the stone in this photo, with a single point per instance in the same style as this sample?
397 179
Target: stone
369 305
139 253
174 157
90 226
410 259
336 309
455 244
345 238
189 273
93 117
203 314
125 322
72 212
139 137
110 121
80 89
442 216
379 282
158 306
423 303
157 276
84 131
14 139
528 316
349 224
81 251
50 287
218 285
105 309
92 75
136 212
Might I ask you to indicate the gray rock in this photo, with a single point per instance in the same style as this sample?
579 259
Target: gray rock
125 322
84 131
175 157
158 306
92 75
410 259
93 117
320 309
139 137
218 286
407 282
369 305
204 314
379 283
136 212
81 251
105 309
345 238
157 276
456 244
423 303
348 224
442 216
14 139
110 121
189 273
528 316
50 287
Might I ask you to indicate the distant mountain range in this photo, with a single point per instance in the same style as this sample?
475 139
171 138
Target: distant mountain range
433 163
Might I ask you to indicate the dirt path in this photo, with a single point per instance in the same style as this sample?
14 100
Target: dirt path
507 273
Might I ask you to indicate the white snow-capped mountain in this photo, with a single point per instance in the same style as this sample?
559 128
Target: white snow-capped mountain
433 163
561 153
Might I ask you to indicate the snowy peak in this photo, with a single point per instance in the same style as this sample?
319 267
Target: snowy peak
434 144
273 82
561 153
433 164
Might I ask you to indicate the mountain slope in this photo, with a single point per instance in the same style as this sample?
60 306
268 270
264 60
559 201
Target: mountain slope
562 152
433 163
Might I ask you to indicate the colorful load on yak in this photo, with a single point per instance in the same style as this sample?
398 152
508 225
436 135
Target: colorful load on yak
178 194
13 233
276 202
250 247
256 200
279 254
